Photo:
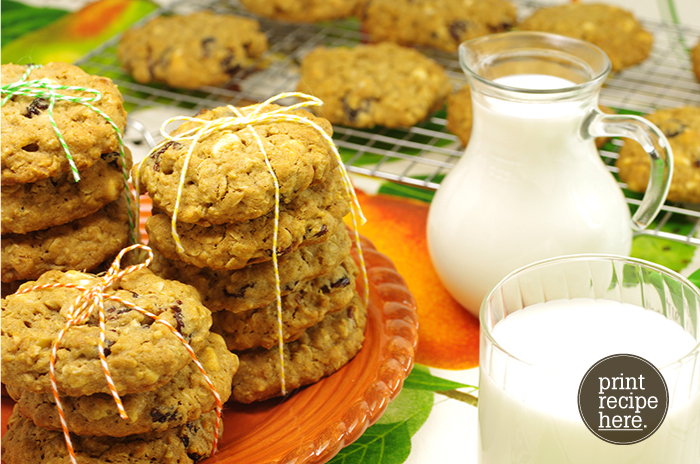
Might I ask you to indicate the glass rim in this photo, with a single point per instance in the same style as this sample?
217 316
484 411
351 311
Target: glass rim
486 331
593 81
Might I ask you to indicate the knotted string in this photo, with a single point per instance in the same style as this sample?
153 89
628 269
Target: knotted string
275 258
205 128
48 90
90 299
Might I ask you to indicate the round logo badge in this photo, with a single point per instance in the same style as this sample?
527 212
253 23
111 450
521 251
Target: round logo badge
623 399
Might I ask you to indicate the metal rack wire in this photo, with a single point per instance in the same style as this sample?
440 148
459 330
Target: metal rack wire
420 155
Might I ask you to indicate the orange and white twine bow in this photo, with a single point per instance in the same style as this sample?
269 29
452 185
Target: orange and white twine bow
90 299
256 116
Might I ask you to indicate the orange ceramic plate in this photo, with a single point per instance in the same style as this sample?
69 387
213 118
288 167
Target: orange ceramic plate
314 423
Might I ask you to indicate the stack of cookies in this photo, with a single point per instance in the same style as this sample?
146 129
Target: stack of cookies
225 227
50 221
171 407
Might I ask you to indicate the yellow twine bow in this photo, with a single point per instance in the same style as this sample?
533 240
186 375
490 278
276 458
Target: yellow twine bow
92 297
256 116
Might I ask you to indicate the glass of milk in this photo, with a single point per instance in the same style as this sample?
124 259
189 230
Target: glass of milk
531 184
542 328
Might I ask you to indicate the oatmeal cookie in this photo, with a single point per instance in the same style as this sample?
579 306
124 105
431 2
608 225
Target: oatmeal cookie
141 353
191 443
191 51
321 351
82 244
31 151
254 285
695 60
313 217
459 113
682 129
59 199
616 31
441 24
303 11
300 310
184 399
377 84
227 178
600 141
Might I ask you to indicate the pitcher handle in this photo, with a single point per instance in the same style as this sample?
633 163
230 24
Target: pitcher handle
654 142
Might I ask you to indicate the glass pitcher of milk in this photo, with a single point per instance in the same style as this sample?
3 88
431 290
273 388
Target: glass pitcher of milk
531 184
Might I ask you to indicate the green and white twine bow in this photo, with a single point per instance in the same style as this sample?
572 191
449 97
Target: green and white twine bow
48 90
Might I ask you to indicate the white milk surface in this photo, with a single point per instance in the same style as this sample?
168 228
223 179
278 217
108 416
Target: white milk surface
530 414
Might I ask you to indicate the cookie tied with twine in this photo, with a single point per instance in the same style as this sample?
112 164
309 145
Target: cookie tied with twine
57 118
199 130
103 301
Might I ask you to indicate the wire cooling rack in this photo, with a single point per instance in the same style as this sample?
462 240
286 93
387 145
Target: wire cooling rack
423 154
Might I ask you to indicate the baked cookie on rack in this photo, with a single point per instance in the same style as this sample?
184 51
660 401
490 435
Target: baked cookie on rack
682 129
615 30
459 113
435 23
191 51
31 150
374 85
303 11
695 60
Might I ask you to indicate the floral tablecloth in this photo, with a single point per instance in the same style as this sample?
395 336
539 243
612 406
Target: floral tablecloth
433 419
